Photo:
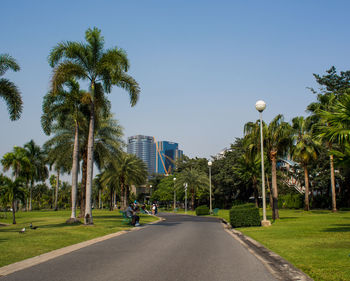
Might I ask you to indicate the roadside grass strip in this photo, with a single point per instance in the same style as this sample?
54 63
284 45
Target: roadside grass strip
53 233
317 242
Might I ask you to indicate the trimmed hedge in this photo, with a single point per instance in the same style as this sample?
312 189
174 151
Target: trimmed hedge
202 210
245 215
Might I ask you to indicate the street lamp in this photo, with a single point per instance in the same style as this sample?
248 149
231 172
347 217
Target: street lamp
260 105
174 194
209 165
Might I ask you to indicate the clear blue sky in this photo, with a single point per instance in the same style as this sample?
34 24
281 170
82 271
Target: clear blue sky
201 65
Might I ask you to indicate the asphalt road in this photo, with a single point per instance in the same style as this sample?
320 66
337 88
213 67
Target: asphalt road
179 248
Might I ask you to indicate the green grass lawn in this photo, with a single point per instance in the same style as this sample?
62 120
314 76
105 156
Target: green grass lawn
53 233
317 242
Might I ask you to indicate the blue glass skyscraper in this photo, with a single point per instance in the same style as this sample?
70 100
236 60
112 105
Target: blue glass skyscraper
166 155
144 148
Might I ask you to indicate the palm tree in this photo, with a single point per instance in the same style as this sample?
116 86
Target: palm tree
124 170
60 160
37 170
277 140
12 191
305 149
60 106
196 182
247 169
103 69
17 160
324 103
8 90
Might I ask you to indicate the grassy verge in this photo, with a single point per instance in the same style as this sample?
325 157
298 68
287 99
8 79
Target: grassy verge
317 242
53 233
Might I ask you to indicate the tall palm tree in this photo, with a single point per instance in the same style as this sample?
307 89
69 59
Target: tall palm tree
305 149
196 181
12 191
324 103
59 107
37 170
277 140
60 160
103 69
8 90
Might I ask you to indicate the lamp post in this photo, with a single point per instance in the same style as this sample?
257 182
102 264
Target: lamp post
174 194
260 105
185 197
210 204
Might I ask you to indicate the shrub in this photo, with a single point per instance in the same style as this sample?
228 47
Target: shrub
202 210
244 215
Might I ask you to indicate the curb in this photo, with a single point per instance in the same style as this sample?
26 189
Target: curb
11 268
278 266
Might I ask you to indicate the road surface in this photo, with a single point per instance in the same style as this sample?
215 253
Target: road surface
179 248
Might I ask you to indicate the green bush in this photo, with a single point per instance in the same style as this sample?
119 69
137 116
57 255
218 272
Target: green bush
202 210
244 215
291 201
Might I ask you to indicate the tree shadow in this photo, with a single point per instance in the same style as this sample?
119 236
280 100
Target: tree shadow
290 218
338 228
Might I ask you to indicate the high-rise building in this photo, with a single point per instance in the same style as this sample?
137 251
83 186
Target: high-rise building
166 155
144 148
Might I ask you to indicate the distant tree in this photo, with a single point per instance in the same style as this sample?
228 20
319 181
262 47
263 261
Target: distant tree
37 169
305 149
12 191
17 160
126 170
197 182
8 90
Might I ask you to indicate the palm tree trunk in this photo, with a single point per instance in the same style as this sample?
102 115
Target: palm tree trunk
30 194
125 196
90 164
334 200
256 192
111 200
13 212
27 198
83 185
114 199
269 190
122 195
192 200
307 205
56 191
275 214
99 199
75 172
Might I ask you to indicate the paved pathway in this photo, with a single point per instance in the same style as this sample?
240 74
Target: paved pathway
179 248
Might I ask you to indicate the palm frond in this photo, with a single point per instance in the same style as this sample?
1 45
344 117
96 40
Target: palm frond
12 96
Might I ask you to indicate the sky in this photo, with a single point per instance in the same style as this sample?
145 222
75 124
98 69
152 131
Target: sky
201 65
